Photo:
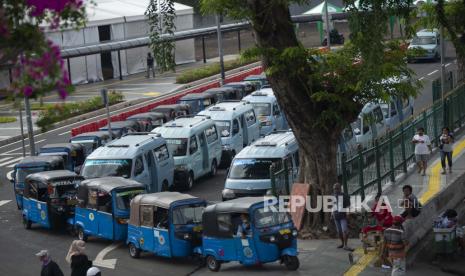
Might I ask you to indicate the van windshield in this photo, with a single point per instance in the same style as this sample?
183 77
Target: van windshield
268 218
262 109
224 127
252 168
178 147
189 214
423 40
107 167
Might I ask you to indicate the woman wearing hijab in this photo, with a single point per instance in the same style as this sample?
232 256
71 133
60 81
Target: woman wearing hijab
78 259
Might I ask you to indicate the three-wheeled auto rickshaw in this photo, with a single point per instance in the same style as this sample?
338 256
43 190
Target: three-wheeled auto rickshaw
29 165
248 231
172 111
225 93
92 140
198 101
103 207
73 154
121 128
167 224
244 88
49 198
148 120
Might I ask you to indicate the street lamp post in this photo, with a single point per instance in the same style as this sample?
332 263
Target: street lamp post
328 43
220 46
105 100
22 128
30 130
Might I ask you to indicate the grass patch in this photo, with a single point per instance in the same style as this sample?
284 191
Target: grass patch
4 120
58 112
211 70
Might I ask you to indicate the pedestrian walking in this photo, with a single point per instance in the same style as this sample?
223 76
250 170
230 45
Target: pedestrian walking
396 244
94 271
445 146
49 267
410 203
78 260
422 149
339 215
150 65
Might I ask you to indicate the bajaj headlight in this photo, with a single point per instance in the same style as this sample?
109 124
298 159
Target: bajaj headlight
228 193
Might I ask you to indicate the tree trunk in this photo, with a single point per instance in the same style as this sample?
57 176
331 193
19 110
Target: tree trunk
274 30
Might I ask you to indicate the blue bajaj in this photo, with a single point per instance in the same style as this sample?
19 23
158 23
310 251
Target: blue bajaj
243 230
167 224
30 165
50 198
103 207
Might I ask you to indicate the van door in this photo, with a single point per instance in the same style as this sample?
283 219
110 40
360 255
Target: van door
236 135
164 166
379 122
204 151
196 156
153 173
277 117
141 173
245 136
253 128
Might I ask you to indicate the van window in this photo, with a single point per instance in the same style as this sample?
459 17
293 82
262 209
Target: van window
107 167
393 109
405 103
250 117
211 134
263 109
253 168
146 215
235 127
138 166
224 127
296 158
162 153
424 40
276 111
178 147
378 114
193 145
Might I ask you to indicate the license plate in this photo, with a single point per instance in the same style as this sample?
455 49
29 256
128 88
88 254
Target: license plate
284 231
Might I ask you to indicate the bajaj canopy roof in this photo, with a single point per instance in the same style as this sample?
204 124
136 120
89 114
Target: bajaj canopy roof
238 205
99 134
52 175
108 184
39 161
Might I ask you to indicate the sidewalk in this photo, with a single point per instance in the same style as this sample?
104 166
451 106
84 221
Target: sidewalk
133 87
425 188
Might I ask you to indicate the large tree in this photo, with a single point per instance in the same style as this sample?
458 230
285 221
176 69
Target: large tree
321 95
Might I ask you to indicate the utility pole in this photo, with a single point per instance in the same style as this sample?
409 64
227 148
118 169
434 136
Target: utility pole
220 46
104 94
328 44
30 130
22 128
443 76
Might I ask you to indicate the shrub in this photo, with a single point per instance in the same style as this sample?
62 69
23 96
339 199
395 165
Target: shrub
55 113
4 120
212 69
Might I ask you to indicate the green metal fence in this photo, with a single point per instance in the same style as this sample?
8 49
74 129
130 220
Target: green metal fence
449 85
370 169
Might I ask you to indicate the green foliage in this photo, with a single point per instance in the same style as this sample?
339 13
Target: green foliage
161 14
4 120
210 70
59 112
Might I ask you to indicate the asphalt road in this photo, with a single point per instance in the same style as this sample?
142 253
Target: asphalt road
19 245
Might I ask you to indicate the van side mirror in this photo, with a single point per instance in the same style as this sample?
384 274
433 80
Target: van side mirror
77 169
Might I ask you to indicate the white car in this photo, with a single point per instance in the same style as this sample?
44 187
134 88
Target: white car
428 40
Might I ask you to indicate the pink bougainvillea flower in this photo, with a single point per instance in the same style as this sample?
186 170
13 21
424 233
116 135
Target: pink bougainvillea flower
28 90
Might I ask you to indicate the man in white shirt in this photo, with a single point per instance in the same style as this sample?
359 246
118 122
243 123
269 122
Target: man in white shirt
422 149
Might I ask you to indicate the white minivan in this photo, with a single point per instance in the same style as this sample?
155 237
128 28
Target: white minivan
429 42
249 174
237 125
143 157
195 144
370 124
268 112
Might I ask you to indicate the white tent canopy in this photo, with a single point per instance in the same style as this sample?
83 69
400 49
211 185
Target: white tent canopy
320 9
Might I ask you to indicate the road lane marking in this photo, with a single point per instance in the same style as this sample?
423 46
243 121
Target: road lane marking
5 158
10 161
434 72
447 64
422 78
64 133
109 263
435 181
3 202
27 145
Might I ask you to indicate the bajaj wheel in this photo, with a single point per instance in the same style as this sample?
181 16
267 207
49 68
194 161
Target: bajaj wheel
291 262
190 181
134 251
213 264
81 235
27 223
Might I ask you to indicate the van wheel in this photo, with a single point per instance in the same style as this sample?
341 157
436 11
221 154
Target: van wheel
213 264
164 186
214 169
134 251
81 235
291 262
190 181
27 223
